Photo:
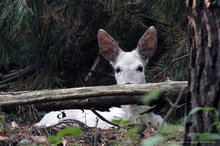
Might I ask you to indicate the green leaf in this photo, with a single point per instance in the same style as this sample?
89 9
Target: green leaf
208 109
24 141
173 144
53 139
133 133
152 141
206 136
196 109
121 121
217 125
153 94
70 131
170 129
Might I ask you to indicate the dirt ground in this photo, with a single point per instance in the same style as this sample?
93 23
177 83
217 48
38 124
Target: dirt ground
28 135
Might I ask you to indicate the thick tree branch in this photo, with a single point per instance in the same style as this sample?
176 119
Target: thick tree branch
100 97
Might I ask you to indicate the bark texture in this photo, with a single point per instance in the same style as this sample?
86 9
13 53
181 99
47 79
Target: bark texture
100 97
204 70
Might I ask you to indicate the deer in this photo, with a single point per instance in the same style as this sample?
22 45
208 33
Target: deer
129 68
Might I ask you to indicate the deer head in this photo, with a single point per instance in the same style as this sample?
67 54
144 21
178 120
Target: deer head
129 66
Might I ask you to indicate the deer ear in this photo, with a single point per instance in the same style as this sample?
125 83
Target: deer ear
108 46
148 43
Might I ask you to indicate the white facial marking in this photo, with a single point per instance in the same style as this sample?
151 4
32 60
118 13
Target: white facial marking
129 68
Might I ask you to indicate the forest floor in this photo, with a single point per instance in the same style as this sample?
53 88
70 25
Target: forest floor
28 135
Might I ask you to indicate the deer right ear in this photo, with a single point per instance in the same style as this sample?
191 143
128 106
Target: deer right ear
148 43
108 46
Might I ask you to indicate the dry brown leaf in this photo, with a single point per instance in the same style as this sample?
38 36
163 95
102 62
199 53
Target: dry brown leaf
3 138
14 125
40 139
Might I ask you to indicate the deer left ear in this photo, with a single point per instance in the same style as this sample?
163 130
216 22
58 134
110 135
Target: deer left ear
148 43
108 46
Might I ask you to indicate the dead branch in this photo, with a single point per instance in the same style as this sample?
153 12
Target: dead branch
11 76
182 57
103 119
173 105
100 97
88 70
94 66
154 20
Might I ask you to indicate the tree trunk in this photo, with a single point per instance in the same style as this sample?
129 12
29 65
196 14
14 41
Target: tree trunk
204 69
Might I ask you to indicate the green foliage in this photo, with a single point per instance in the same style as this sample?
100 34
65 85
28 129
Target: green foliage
26 142
166 136
57 139
152 95
121 121
214 115
17 14
206 136
133 134
174 40
1 122
15 19
7 51
176 11
152 141
130 137
193 111
58 38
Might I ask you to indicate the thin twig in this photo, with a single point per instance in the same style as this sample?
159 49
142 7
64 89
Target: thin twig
103 119
11 76
95 134
151 109
94 66
155 20
82 125
169 66
173 106
88 70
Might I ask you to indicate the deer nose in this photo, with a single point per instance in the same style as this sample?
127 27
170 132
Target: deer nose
128 83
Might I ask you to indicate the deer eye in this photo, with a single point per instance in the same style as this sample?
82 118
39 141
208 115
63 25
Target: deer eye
140 68
117 69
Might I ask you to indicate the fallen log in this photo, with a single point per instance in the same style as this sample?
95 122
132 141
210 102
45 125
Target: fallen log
98 97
